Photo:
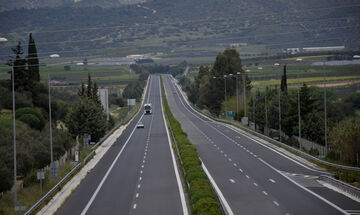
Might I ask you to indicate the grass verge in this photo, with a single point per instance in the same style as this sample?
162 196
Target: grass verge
203 199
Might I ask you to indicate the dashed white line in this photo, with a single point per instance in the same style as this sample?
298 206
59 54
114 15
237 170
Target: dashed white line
276 203
232 180
265 193
247 176
139 185
235 164
229 159
255 184
272 180
137 195
140 178
240 170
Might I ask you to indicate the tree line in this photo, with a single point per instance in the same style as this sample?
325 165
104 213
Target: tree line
207 91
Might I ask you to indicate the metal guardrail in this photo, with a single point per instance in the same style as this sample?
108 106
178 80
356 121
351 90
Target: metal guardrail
339 166
53 189
38 203
354 191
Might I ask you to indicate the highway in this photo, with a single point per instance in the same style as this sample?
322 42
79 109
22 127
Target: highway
253 177
137 175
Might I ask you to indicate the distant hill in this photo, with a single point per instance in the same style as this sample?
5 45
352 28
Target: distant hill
6 5
180 27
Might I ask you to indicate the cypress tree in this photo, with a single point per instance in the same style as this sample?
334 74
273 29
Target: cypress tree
89 87
284 82
33 61
20 72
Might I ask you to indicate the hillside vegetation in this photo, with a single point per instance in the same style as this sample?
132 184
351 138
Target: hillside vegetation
182 28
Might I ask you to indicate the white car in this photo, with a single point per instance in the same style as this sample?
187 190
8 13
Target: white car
140 125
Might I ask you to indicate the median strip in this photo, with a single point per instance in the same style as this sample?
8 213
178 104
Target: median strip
203 199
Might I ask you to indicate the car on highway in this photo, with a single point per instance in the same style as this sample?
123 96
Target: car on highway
140 125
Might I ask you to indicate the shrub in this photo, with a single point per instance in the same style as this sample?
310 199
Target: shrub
28 110
202 196
206 206
30 120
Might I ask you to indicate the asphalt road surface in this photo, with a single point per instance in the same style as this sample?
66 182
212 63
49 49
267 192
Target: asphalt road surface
137 175
253 177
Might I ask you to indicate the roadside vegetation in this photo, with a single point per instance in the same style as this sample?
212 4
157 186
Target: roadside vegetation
262 106
75 111
203 200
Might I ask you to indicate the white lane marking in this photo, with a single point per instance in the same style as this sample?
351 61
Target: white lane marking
272 180
237 131
140 178
134 206
108 171
141 172
306 176
235 164
304 188
218 191
255 184
142 166
240 170
137 195
229 159
221 151
232 180
247 176
225 155
139 185
181 190
265 193
276 203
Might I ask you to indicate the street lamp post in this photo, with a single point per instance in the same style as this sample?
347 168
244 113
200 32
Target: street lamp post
14 132
299 114
16 207
53 168
237 93
278 65
244 93
225 97
325 111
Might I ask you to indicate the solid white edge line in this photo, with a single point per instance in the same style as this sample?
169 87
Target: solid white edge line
111 167
304 188
217 190
236 130
107 173
181 190
212 181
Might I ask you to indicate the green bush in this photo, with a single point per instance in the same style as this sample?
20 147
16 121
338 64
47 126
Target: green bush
30 120
31 111
206 206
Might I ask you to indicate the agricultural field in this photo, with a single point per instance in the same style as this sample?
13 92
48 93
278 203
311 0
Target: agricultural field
77 74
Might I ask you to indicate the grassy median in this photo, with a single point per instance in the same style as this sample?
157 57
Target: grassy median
203 200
